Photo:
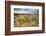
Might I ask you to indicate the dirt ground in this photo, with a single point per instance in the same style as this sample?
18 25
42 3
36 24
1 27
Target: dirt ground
26 24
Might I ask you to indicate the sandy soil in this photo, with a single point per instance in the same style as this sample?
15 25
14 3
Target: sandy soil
26 24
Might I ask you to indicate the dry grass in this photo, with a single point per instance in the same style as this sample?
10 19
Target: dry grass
26 24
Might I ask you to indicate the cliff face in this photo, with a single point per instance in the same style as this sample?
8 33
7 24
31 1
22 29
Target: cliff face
35 21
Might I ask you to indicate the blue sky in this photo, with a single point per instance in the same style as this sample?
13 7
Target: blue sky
26 10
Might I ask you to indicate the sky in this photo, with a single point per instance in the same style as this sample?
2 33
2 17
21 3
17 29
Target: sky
26 10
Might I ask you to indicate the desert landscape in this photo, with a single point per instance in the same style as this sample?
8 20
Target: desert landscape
26 20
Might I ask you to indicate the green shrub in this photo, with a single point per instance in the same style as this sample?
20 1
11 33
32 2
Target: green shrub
25 19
